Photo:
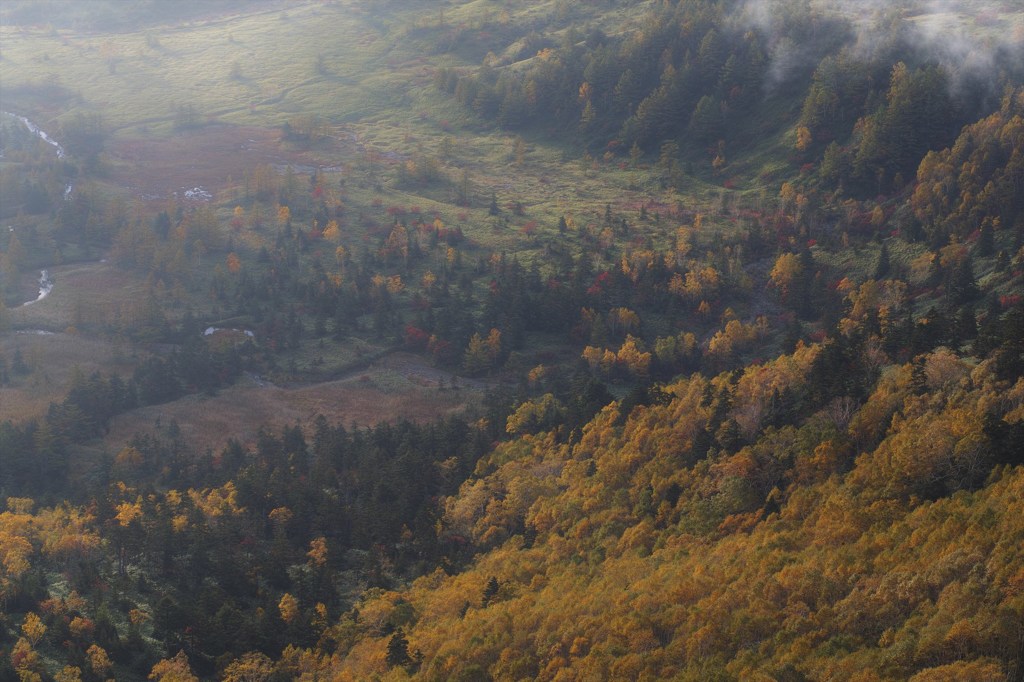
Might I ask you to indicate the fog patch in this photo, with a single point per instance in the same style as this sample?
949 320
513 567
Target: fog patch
973 40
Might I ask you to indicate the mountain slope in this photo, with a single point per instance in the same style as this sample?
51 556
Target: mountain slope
816 551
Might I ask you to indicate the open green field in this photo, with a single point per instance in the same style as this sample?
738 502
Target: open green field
245 70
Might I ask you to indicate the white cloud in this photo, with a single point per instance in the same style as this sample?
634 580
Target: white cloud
970 38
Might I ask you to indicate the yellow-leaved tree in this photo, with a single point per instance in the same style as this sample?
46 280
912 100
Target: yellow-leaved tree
251 667
174 669
289 608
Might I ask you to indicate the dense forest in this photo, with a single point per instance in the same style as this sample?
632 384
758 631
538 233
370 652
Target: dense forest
754 411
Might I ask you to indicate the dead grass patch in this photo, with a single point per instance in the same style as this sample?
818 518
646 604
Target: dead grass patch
158 167
397 387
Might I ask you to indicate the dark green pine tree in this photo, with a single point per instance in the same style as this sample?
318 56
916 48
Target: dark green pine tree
490 590
802 290
882 267
966 324
918 378
986 244
931 331
962 287
1010 354
936 272
398 649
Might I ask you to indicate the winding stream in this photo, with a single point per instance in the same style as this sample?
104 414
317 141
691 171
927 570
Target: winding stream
45 287
41 134
45 283
38 132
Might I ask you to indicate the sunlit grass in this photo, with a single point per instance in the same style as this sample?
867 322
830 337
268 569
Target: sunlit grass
232 69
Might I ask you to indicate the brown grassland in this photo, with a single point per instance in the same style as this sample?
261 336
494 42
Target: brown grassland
212 157
398 386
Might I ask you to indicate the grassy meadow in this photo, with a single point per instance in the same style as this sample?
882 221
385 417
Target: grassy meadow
365 73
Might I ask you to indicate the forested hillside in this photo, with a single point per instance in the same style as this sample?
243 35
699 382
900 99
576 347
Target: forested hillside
710 316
